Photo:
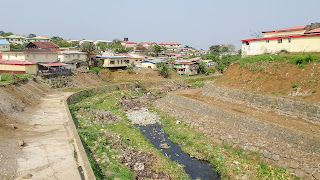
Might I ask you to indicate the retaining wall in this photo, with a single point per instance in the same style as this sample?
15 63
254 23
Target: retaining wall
292 107
268 130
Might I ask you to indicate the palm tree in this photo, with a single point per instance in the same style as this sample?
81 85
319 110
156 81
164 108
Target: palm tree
91 51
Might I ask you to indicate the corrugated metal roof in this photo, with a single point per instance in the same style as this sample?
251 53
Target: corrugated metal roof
112 57
53 64
169 43
286 29
4 42
280 37
13 62
313 31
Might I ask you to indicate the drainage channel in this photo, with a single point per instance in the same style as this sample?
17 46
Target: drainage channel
194 167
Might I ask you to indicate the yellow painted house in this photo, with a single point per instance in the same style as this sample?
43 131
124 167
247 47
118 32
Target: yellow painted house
300 39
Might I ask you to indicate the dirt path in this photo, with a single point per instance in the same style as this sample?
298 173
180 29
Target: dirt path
48 153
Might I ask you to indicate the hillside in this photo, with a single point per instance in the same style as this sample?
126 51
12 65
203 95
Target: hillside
276 75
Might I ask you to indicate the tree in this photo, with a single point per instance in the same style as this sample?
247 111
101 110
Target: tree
202 67
90 49
214 49
7 34
56 38
156 49
116 47
1 33
75 43
101 46
18 46
163 69
225 49
62 43
31 35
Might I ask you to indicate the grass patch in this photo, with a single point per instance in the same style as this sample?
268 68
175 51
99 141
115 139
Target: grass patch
240 163
298 59
102 147
8 78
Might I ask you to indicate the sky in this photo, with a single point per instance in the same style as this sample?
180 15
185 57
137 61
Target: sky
197 23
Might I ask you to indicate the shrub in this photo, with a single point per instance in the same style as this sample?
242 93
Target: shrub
314 91
202 67
294 85
163 69
129 68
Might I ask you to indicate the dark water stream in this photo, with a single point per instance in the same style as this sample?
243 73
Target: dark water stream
194 167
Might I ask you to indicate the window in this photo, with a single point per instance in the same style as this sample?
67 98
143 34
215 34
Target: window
279 41
247 43
111 62
267 41
289 40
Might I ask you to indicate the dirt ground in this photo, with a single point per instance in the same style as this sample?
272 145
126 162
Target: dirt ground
34 113
275 78
267 116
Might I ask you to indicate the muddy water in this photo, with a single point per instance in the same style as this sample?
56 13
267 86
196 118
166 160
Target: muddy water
194 167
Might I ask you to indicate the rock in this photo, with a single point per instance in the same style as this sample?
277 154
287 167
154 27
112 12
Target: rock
164 146
28 176
266 154
282 164
252 148
21 143
294 165
12 126
299 173
316 175
275 157
138 167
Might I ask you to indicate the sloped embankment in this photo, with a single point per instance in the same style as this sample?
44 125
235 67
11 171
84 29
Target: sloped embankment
15 98
289 142
276 78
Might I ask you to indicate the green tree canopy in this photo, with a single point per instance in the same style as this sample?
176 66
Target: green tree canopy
156 49
31 35
7 34
62 43
88 48
101 46
116 47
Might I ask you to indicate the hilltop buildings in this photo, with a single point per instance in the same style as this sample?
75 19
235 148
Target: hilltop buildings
298 39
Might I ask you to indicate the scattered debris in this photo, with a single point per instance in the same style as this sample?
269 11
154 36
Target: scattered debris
164 146
28 176
105 116
21 143
178 122
142 117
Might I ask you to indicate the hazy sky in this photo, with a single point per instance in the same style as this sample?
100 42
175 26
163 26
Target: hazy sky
197 23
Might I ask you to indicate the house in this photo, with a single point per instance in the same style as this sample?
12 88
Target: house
299 39
152 63
186 67
128 44
33 55
17 39
114 61
147 45
38 39
134 58
4 45
171 46
18 67
72 59
42 45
